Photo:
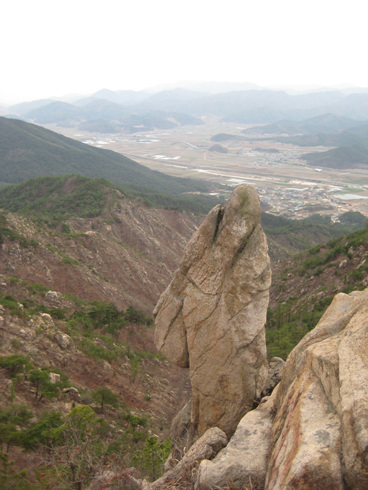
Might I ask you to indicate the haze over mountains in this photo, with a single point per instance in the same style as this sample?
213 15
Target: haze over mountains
330 118
28 151
234 106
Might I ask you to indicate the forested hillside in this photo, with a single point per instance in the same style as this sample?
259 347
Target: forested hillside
30 151
304 285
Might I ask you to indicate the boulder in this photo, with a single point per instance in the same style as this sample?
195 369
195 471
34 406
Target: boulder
73 394
182 435
243 462
211 317
343 264
54 297
64 341
47 318
54 378
275 369
206 447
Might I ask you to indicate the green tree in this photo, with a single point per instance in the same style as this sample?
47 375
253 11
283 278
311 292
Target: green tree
137 316
41 381
104 396
12 420
40 378
10 478
77 447
103 314
153 456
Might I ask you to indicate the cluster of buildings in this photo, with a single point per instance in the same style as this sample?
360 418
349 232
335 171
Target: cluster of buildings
301 202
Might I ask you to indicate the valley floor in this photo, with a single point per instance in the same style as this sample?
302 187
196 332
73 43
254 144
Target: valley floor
286 185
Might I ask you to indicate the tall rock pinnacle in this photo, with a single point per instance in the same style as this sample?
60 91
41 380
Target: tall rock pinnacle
211 317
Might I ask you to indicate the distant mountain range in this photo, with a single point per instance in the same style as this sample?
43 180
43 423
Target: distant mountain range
122 97
327 118
140 111
325 123
349 136
104 116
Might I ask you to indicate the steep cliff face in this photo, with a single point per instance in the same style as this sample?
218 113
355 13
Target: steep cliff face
313 431
211 317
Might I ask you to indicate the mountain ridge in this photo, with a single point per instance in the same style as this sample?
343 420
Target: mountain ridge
230 105
57 199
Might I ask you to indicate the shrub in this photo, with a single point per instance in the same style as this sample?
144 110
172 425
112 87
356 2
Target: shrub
357 275
15 364
41 432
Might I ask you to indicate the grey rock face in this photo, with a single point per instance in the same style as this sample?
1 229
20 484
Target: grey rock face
54 378
182 435
275 369
211 317
73 394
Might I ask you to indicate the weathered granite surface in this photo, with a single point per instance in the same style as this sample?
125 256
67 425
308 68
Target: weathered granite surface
315 425
211 317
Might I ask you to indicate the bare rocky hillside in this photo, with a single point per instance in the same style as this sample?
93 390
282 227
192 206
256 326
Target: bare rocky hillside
126 256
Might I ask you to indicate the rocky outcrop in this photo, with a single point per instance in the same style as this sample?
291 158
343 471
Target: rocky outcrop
64 341
73 394
182 434
320 433
313 431
211 317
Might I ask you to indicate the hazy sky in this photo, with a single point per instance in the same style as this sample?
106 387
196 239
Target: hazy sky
54 48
